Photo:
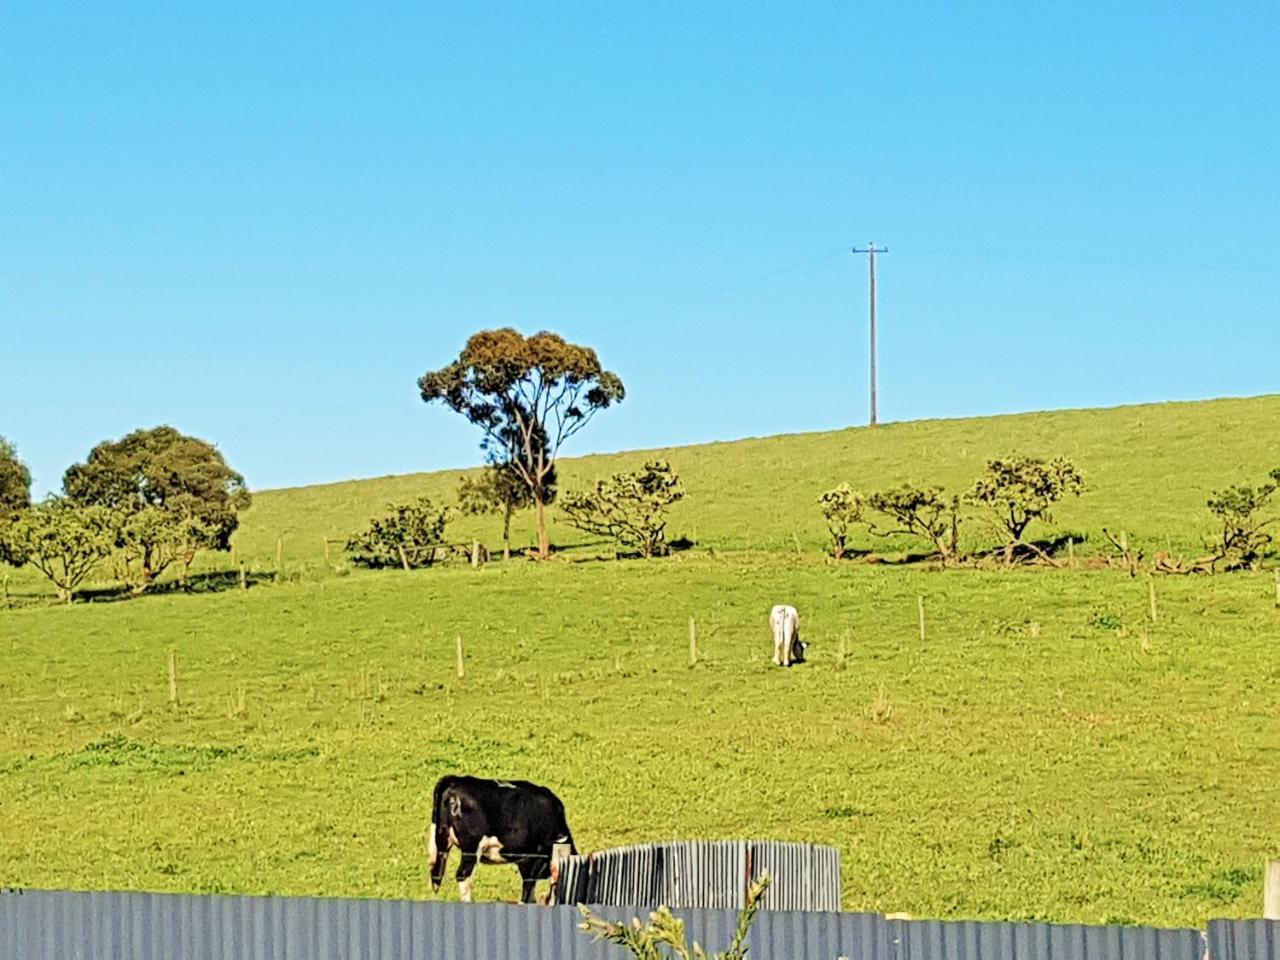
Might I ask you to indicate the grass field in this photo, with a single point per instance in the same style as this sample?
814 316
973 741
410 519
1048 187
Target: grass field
1045 752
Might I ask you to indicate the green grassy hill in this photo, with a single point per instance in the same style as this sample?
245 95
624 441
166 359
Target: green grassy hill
1148 468
1046 751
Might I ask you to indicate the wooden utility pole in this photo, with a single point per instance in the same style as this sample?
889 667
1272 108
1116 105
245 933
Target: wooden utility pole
871 250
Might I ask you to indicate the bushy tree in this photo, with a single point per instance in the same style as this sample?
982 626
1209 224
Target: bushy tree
15 481
664 935
499 488
62 539
150 540
15 491
1241 510
529 395
925 512
629 508
173 494
409 536
841 508
1016 491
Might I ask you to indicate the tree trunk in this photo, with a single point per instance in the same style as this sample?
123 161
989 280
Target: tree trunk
544 542
506 531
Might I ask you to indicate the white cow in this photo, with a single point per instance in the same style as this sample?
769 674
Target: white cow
784 621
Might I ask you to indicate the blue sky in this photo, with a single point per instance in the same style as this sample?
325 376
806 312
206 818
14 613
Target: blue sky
262 222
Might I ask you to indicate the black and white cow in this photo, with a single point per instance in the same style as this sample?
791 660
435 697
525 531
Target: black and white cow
495 821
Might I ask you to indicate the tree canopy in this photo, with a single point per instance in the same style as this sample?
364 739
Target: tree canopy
15 481
528 395
172 494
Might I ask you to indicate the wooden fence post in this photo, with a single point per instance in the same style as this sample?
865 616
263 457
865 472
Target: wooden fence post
404 558
475 553
693 642
325 541
244 582
173 677
462 667
1151 600
920 606
1271 891
1071 552
279 554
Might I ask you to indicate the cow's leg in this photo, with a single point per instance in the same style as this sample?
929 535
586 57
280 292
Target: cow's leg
786 643
438 854
528 881
466 876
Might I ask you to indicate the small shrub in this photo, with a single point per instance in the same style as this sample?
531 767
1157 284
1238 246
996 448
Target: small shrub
665 930
1017 491
925 512
841 507
629 508
1105 620
1241 511
410 535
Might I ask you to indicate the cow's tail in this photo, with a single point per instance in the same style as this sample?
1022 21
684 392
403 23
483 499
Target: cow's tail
437 797
437 840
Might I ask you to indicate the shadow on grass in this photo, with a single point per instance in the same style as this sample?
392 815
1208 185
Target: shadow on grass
214 581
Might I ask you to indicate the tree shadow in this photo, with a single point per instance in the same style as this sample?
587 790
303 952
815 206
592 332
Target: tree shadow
213 581
901 560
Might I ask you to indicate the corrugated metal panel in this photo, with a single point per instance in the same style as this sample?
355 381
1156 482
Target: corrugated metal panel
39 925
1244 939
710 874
964 940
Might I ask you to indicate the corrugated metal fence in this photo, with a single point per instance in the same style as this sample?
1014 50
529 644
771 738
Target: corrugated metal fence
712 874
36 925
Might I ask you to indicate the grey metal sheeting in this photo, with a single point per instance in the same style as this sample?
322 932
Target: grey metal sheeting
1244 939
711 874
37 925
